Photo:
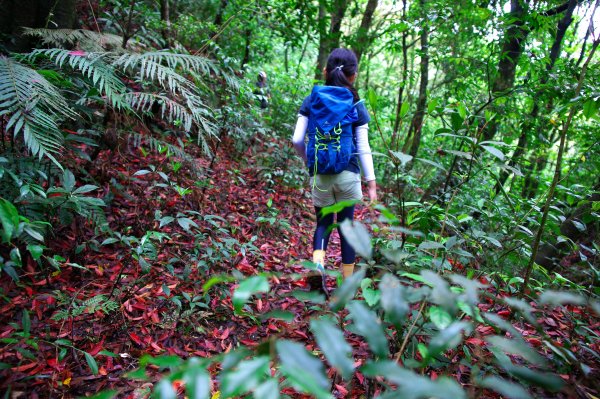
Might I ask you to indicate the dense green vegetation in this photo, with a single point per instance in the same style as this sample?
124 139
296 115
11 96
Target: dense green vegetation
137 173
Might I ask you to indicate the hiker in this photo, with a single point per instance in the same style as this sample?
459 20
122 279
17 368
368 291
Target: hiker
336 122
262 90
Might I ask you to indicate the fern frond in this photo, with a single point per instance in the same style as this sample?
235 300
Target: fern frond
172 110
92 66
84 39
33 107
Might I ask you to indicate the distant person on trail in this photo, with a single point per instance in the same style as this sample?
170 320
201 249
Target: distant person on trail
336 123
262 90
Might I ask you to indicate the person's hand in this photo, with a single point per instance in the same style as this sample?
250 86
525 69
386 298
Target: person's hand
372 191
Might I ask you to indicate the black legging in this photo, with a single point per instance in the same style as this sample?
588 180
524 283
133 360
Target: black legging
323 231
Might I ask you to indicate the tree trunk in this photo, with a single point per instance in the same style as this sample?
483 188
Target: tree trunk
246 58
417 120
165 18
512 48
220 12
363 41
329 39
394 140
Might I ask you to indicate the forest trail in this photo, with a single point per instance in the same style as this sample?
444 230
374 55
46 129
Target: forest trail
122 313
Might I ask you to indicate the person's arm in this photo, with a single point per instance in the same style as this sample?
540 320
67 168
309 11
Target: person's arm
366 160
299 133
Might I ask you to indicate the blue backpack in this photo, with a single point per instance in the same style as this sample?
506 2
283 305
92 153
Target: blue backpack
331 142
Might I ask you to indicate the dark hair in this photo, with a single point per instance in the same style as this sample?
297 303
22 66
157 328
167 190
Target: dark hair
342 64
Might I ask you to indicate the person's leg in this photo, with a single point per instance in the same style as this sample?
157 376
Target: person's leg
321 236
348 252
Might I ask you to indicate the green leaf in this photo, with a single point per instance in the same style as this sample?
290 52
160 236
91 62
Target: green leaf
245 377
279 315
448 338
402 157
85 189
267 390
430 245
164 390
26 323
9 217
432 105
412 385
161 361
517 347
371 295
338 207
439 317
305 372
247 288
197 380
494 151
589 108
557 298
505 388
68 180
331 341
36 251
548 381
368 325
346 292
462 110
404 109
358 236
392 299
91 363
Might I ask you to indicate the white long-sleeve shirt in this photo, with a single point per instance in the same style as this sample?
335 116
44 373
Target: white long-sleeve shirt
362 146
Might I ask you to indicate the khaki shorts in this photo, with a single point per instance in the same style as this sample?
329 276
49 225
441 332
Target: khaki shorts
330 189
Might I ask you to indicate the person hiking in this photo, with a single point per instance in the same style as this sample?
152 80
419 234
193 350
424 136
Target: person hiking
336 122
262 90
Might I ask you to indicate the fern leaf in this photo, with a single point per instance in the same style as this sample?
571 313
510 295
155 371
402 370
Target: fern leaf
84 39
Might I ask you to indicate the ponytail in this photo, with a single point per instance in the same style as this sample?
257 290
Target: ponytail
342 64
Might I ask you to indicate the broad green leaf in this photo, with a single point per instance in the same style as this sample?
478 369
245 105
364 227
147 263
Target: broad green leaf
441 293
432 163
304 371
402 157
85 189
462 110
404 109
368 325
589 108
245 377
68 180
548 381
91 363
247 288
164 390
186 223
331 341
439 317
472 288
448 338
346 292
9 217
371 295
392 299
161 361
197 381
517 347
358 237
494 151
498 322
267 390
279 315
26 323
505 387
557 298
425 245
36 251
432 105
338 207
412 385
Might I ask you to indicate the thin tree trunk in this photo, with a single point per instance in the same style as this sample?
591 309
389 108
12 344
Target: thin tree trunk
417 121
329 39
363 40
394 140
512 48
165 18
246 58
